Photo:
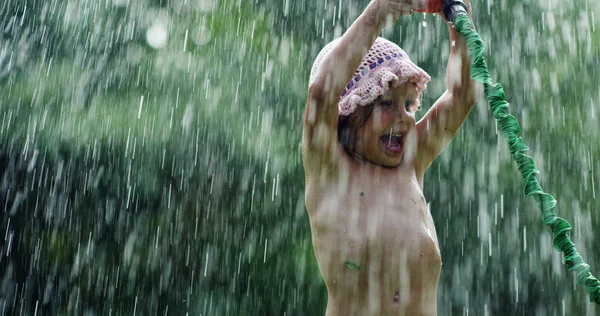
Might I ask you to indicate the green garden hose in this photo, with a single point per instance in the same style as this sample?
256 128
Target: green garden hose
510 129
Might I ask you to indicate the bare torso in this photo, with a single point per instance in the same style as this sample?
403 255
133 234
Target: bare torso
374 240
362 214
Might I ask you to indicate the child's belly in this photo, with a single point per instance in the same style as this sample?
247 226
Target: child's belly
379 257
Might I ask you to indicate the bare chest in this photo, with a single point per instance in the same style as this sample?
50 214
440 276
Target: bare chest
373 216
375 233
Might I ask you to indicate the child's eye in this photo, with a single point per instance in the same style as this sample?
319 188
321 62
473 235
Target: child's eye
410 105
386 103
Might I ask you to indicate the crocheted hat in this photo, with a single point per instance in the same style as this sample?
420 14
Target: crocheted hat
384 64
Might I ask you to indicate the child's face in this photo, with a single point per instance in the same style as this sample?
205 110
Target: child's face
383 138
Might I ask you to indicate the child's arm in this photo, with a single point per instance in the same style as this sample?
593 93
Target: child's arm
439 125
320 139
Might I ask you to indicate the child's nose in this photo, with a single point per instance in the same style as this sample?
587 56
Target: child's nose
403 115
401 111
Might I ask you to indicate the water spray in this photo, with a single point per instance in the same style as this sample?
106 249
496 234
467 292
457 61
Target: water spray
456 13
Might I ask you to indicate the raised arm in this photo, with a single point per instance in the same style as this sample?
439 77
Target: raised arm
320 140
439 125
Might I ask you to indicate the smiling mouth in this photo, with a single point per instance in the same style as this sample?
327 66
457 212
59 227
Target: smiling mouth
392 142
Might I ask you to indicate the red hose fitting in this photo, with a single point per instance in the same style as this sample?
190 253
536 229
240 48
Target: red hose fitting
433 6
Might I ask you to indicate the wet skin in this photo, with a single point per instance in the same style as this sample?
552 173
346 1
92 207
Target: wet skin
368 209
392 122
376 218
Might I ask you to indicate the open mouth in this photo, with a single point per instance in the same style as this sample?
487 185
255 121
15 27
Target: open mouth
392 142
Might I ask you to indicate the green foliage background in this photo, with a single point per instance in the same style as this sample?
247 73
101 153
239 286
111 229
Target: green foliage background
169 180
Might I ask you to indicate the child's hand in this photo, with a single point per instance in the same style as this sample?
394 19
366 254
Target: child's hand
395 9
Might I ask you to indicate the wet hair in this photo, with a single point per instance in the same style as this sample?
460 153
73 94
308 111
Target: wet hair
349 124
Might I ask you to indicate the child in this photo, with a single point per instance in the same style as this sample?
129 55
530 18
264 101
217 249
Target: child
364 157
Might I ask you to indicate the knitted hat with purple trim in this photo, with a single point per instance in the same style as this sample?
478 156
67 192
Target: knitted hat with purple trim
385 65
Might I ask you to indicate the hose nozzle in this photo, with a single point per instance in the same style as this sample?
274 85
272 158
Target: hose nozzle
453 8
